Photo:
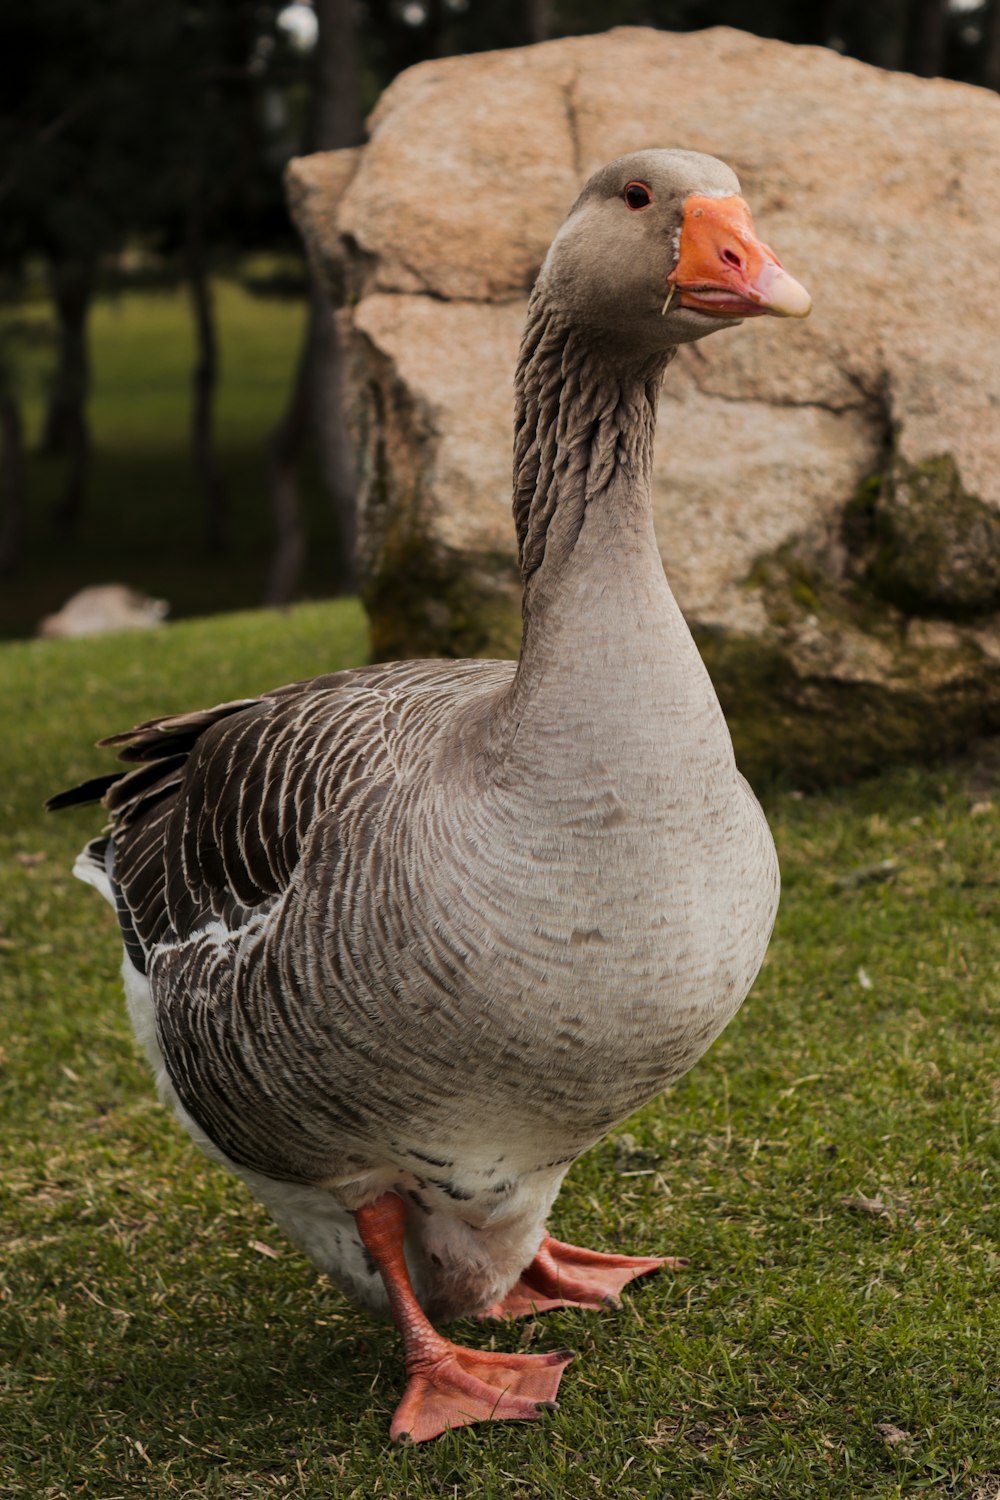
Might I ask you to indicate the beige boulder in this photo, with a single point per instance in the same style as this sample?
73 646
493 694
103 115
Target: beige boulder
817 485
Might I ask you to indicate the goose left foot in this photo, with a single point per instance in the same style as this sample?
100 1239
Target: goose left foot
567 1276
449 1386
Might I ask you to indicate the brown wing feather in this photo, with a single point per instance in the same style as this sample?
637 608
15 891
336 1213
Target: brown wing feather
209 824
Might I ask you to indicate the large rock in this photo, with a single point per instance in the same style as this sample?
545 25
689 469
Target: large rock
827 494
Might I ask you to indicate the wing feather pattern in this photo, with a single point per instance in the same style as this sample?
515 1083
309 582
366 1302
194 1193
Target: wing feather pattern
274 863
208 818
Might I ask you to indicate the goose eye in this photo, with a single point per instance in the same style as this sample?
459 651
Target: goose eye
637 195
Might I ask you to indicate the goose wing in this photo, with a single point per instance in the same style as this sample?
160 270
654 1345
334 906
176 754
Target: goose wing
209 817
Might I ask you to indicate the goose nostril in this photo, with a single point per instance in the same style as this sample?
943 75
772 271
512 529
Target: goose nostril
732 259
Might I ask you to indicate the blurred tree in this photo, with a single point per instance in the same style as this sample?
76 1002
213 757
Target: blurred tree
979 45
66 429
315 405
11 457
70 87
928 37
217 188
123 121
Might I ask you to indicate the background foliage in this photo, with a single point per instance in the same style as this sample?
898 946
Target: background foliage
141 148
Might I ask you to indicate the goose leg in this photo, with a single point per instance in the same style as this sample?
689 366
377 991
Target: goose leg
566 1276
449 1386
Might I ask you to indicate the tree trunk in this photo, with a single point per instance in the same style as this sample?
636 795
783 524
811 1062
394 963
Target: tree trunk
338 123
66 431
337 108
11 482
884 30
315 406
537 20
205 378
990 66
928 38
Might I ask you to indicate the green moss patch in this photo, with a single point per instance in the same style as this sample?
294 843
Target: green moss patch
840 684
816 730
928 546
425 600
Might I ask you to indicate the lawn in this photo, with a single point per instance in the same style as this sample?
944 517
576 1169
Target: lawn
830 1168
143 524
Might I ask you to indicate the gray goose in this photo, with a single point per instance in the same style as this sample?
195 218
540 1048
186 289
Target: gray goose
403 942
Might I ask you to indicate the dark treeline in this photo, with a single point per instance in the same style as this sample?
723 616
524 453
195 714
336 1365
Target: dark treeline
167 125
128 123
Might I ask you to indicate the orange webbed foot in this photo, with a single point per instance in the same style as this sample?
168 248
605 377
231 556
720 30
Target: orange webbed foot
448 1385
568 1276
451 1386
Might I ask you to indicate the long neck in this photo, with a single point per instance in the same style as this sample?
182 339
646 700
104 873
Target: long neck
583 451
583 429
605 652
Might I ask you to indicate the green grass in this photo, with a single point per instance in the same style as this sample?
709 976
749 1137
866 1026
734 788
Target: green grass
143 524
160 1337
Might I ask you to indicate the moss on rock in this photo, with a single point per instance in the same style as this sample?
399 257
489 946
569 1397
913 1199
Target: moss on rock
422 597
813 731
930 547
839 685
842 683
424 600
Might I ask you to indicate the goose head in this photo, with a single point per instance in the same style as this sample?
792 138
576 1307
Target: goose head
659 249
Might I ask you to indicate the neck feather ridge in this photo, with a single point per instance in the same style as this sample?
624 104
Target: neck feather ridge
583 419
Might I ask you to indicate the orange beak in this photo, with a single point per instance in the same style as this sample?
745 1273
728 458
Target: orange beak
726 271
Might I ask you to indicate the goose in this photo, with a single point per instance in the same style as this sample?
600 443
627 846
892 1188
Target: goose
402 942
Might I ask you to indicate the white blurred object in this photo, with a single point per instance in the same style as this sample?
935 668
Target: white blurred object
102 608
